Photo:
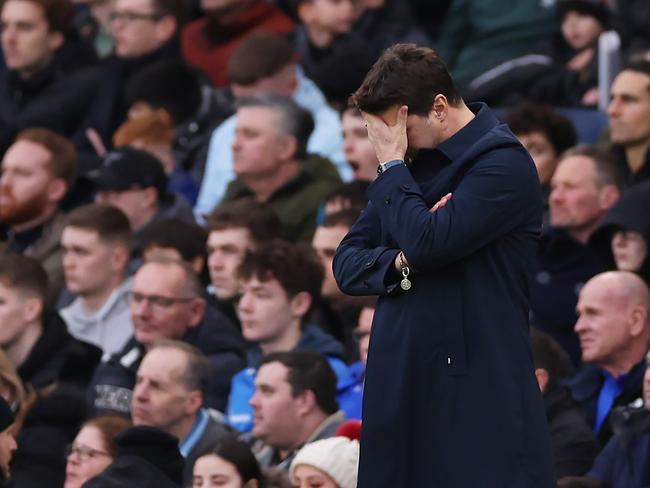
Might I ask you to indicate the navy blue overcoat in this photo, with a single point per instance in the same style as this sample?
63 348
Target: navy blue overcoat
451 399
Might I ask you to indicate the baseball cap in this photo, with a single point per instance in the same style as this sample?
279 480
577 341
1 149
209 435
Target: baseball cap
127 168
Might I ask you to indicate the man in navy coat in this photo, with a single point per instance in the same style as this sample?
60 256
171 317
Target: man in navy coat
447 242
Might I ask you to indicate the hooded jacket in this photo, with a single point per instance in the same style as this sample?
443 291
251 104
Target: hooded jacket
629 214
240 413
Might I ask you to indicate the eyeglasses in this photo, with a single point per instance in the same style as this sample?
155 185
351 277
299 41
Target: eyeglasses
157 300
85 453
129 17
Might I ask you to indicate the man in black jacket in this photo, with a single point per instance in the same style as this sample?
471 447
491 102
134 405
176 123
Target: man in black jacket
37 89
167 303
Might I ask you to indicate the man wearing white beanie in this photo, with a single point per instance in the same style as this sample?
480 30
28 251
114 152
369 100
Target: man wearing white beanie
333 463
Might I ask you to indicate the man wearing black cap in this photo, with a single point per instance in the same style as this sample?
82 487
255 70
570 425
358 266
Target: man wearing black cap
135 182
7 441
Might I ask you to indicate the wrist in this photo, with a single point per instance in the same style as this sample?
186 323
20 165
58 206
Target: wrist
388 164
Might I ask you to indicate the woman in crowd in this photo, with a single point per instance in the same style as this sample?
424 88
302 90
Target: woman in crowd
328 463
230 465
93 449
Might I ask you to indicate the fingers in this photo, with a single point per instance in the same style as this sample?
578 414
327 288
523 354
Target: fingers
441 203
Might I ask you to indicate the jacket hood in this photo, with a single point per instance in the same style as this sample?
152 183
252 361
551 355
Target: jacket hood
215 333
629 213
313 339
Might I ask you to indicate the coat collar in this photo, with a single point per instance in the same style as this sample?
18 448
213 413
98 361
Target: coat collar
484 121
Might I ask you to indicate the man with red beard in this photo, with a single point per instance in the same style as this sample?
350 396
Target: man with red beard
37 170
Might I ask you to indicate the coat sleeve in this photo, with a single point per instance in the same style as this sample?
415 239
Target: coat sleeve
493 197
361 266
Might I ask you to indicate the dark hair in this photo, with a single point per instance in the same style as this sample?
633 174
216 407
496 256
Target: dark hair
260 219
63 160
177 9
549 355
258 56
294 120
344 218
24 273
594 8
58 14
197 369
170 85
107 221
308 371
609 170
406 74
238 454
187 238
109 426
529 117
639 66
352 193
294 265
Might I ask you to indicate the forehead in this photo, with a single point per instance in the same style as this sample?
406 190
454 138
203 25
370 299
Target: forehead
535 137
579 168
163 364
272 374
237 236
601 293
24 10
155 278
134 5
261 118
79 235
352 119
27 155
329 237
271 285
632 83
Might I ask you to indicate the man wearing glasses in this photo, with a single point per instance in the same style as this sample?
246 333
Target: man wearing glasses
145 31
167 303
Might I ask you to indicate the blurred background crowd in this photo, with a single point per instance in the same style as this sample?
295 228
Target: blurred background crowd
176 176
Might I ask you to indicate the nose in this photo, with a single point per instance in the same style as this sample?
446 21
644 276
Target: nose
580 324
254 401
245 303
140 308
215 260
612 108
618 240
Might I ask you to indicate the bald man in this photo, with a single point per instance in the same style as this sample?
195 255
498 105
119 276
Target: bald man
614 330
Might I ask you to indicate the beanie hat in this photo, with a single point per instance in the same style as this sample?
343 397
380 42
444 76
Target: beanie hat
337 457
155 446
6 415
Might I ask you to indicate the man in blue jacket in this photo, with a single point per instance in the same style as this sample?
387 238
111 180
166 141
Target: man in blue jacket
280 283
447 242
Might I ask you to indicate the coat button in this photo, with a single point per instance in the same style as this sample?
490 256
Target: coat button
449 361
387 200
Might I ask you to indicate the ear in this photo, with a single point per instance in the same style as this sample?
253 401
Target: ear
57 189
193 402
542 378
197 310
166 28
609 195
197 264
305 12
306 402
251 484
440 107
55 40
287 147
637 320
120 257
300 304
150 197
32 309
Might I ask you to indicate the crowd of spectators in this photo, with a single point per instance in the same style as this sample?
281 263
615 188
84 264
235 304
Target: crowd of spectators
176 176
